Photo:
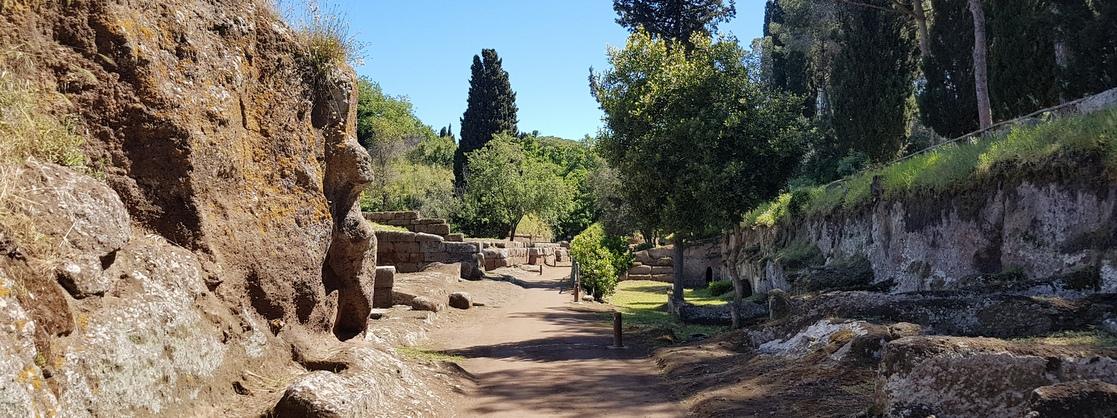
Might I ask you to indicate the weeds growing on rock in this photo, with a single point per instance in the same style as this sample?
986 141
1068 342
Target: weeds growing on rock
325 32
29 130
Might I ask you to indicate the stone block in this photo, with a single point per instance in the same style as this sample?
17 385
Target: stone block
461 247
407 267
424 237
385 277
431 247
435 229
455 237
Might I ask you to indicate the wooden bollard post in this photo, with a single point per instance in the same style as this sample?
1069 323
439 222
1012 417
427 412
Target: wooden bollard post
577 283
618 337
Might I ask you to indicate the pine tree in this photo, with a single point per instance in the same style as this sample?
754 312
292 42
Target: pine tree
872 80
674 19
947 102
491 110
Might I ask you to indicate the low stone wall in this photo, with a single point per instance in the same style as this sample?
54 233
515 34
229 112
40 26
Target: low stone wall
410 252
412 221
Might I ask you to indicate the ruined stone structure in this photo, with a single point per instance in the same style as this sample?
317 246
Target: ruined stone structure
410 252
702 265
412 221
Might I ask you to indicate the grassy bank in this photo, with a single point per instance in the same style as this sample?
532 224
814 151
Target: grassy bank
958 166
644 305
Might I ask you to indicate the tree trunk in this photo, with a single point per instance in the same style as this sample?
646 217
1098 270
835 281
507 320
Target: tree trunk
980 66
738 297
677 261
920 17
512 229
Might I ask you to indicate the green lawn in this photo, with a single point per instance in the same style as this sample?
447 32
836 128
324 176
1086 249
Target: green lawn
644 305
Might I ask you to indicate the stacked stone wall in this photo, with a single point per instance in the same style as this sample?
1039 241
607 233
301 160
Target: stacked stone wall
412 221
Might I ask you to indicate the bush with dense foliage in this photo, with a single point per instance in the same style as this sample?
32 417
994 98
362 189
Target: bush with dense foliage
601 259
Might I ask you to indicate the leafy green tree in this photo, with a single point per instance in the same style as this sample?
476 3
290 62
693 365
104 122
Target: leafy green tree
947 102
575 159
434 150
690 130
426 188
387 127
506 184
601 258
872 80
674 19
491 110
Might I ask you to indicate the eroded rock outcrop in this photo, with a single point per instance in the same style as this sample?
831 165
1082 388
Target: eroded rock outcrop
960 377
223 214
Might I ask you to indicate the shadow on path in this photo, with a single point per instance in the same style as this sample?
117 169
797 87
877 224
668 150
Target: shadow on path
540 355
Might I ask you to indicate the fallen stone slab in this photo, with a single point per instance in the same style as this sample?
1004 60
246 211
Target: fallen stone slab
1082 398
962 376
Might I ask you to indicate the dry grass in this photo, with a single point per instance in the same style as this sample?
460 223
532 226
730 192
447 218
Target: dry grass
324 30
30 130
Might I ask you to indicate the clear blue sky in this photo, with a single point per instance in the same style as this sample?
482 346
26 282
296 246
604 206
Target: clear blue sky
423 49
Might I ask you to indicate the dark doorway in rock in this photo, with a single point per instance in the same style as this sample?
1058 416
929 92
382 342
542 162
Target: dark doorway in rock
709 274
746 288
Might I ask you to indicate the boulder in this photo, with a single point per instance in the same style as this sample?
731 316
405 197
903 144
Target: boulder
460 300
1079 399
779 306
960 376
358 381
423 303
82 215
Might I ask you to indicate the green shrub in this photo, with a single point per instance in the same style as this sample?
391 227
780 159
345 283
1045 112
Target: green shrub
601 259
643 246
427 189
720 287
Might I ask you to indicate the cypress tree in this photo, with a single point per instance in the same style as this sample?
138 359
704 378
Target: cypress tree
491 109
1086 42
872 80
947 102
1022 70
789 67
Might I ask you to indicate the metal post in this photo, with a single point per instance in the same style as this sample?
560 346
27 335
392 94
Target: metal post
618 337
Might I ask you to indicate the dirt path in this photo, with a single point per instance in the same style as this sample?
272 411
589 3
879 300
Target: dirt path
540 355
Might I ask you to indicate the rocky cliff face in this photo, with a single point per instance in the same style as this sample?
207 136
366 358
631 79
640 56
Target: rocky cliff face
1046 236
226 219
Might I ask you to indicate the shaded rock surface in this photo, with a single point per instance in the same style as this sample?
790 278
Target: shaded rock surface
1082 398
959 376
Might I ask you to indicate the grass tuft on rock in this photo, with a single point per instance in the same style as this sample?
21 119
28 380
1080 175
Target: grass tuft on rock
31 127
325 32
958 166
